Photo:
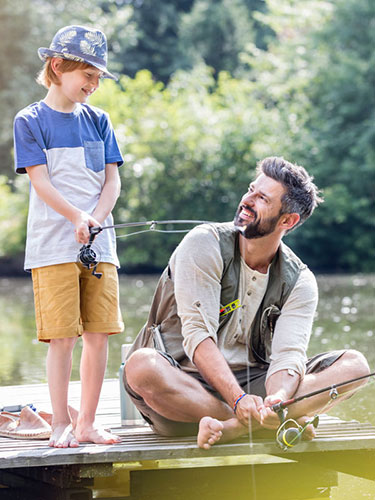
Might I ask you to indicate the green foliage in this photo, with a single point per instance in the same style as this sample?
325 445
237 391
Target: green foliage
188 151
241 80
218 32
156 44
17 70
318 77
23 33
13 215
179 34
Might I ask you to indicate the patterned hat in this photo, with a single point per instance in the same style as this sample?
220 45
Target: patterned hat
78 43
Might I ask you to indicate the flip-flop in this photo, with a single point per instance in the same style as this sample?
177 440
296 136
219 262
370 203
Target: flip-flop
27 425
8 422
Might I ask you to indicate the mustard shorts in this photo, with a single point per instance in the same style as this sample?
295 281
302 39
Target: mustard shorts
70 301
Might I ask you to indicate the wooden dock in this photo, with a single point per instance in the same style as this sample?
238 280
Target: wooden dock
143 464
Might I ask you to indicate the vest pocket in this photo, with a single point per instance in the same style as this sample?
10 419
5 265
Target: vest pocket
94 155
267 326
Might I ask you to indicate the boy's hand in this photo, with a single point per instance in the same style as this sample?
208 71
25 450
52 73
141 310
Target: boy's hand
82 223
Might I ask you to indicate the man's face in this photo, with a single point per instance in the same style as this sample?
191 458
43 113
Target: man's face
259 210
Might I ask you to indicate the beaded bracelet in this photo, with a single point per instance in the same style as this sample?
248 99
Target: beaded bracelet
237 401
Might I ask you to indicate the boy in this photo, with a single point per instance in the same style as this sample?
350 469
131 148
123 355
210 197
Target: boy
70 153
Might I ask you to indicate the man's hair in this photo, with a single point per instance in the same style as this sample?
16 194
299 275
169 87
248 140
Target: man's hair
301 194
47 76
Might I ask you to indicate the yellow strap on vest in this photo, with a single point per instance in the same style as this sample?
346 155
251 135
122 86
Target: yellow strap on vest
232 306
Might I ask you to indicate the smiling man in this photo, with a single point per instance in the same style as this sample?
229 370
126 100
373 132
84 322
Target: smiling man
231 319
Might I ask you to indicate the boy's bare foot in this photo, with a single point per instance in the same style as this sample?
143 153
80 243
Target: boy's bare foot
210 432
97 435
48 416
63 437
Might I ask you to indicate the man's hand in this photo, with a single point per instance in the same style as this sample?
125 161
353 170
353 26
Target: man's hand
82 223
247 408
280 386
268 418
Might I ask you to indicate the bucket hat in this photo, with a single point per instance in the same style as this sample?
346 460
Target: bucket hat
81 44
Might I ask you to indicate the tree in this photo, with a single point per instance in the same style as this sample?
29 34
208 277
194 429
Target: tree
300 85
317 80
218 32
189 152
156 44
17 70
23 34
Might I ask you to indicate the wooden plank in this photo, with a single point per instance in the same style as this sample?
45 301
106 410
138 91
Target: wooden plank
140 444
158 448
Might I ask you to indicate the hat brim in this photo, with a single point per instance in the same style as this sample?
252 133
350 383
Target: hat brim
44 53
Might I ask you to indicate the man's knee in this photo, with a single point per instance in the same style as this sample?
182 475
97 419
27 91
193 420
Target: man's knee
355 363
141 368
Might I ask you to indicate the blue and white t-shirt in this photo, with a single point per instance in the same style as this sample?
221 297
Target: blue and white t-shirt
75 147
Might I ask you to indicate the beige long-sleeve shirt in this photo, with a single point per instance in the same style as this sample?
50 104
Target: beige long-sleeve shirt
197 267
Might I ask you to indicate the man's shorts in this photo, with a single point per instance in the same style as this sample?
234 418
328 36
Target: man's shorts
251 380
70 301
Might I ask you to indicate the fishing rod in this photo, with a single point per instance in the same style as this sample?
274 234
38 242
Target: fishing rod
151 223
87 256
290 433
333 394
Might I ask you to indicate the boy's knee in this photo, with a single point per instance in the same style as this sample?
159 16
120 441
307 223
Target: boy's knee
95 339
66 343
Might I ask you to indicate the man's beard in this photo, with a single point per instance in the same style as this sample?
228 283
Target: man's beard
257 228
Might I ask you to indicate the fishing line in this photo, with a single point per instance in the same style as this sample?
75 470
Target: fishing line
249 424
154 231
151 223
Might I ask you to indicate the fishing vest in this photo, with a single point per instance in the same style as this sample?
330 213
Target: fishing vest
163 327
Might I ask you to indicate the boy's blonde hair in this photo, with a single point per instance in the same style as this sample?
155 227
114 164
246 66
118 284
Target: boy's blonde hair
47 76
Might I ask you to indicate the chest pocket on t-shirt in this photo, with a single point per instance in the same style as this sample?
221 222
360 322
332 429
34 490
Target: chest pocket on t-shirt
94 155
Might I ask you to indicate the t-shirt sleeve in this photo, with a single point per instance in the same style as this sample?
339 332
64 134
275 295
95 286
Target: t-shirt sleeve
112 151
29 150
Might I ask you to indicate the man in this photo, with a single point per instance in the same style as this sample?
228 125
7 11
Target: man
231 320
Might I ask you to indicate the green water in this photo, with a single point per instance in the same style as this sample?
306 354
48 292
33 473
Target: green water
345 319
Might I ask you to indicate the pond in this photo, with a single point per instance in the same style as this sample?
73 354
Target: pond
345 318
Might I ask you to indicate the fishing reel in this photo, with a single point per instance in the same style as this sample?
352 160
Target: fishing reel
87 256
290 432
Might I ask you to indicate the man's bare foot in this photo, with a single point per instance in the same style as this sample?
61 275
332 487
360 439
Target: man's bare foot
63 437
309 432
97 435
210 432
